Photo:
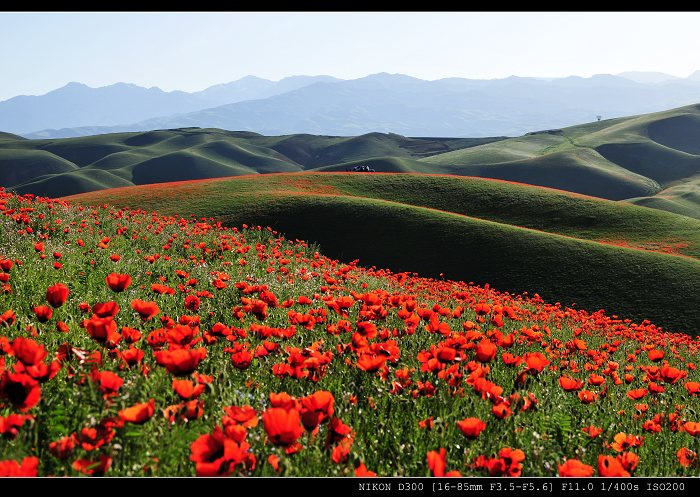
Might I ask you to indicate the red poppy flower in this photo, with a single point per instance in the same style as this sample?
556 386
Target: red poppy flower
609 466
575 468
692 387
192 302
6 265
28 467
623 441
426 424
628 460
56 295
656 355
242 359
186 389
20 389
9 426
587 397
501 411
105 309
637 394
8 318
371 362
256 307
146 310
362 471
341 452
692 428
511 460
92 438
485 351
43 313
337 431
183 335
93 468
283 400
482 309
216 455
651 426
510 359
536 361
274 461
315 408
118 282
162 289
62 448
190 410
570 384
180 362
471 427
27 351
446 354
437 462
282 426
102 329
687 458
671 374
245 415
139 413
108 381
655 387
596 379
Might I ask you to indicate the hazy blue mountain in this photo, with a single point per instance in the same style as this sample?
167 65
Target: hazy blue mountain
79 106
254 88
402 104
247 88
647 77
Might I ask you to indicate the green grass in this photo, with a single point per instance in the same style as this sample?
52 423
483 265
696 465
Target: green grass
516 237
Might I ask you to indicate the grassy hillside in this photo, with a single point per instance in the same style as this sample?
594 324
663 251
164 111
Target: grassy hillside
9 136
597 253
683 198
639 156
74 165
652 160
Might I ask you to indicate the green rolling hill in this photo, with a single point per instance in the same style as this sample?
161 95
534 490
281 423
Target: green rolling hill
651 160
683 198
639 263
68 166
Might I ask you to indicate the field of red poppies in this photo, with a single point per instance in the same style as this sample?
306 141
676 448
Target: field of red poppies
136 344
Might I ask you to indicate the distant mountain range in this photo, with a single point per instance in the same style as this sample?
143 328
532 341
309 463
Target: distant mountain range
387 103
78 105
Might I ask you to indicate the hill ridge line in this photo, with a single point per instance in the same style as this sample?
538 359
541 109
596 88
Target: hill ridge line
457 214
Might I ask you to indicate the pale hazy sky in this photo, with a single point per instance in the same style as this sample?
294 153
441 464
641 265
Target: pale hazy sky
190 51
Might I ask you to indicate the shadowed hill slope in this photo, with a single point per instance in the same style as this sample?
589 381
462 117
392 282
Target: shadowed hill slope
636 262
